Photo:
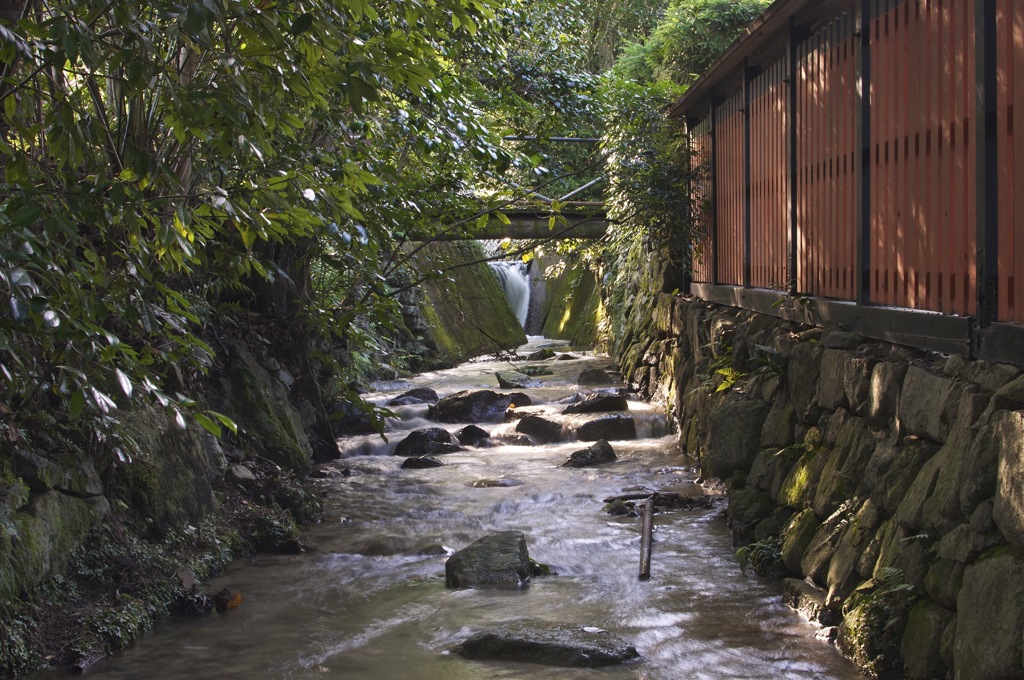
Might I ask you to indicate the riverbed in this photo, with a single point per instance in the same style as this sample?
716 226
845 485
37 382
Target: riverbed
368 597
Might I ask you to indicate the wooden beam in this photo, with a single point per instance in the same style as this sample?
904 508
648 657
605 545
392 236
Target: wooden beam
528 226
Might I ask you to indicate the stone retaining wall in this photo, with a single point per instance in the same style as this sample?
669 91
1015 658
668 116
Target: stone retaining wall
890 479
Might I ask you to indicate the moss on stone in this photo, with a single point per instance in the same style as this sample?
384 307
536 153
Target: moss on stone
169 484
465 306
874 619
260 404
573 309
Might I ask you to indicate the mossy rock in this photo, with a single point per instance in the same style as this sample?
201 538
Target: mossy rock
466 310
573 309
37 542
871 632
260 404
169 484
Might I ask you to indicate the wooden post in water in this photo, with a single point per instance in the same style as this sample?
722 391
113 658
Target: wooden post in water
645 539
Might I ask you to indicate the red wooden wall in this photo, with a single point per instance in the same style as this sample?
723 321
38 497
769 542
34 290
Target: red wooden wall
923 180
826 180
701 196
730 190
1010 131
769 179
920 201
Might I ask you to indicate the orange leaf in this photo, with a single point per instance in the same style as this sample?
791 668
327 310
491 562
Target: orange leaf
234 602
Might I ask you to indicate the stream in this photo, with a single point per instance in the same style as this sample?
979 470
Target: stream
368 598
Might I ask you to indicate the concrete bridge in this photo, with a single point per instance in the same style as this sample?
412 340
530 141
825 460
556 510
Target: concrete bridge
579 220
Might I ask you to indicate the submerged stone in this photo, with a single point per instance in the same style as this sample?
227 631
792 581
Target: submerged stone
599 403
471 435
601 452
514 380
552 644
419 395
471 406
497 560
594 376
428 441
615 427
541 430
421 463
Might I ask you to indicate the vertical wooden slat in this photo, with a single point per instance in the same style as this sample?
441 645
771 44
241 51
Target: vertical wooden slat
987 167
1014 276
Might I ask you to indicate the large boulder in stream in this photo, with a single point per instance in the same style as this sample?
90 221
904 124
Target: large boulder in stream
544 642
428 441
613 427
598 454
470 406
599 403
497 560
540 430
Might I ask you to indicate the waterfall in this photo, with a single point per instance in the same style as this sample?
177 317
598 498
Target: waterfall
516 283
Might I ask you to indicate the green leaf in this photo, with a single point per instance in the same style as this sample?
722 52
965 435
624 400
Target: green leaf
76 404
208 424
195 19
225 421
124 381
301 24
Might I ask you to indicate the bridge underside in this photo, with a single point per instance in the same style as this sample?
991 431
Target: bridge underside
533 224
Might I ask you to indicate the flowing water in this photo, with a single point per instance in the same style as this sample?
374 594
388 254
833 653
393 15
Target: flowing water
515 281
368 599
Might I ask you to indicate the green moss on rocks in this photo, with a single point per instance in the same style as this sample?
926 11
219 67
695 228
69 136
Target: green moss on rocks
573 309
465 306
260 404
169 484
874 619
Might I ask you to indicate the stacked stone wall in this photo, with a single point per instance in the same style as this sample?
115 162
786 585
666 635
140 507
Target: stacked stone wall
886 482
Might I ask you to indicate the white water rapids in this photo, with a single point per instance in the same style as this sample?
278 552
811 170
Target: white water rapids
368 599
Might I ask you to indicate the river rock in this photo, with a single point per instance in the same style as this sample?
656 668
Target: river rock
471 435
566 357
540 355
518 400
514 380
428 441
497 560
419 395
808 600
990 617
471 406
553 644
599 403
241 475
536 370
421 463
601 452
613 427
594 376
541 430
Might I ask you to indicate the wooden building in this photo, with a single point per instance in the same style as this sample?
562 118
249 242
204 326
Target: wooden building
861 162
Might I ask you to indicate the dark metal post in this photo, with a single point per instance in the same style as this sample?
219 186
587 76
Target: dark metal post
795 37
748 76
987 148
713 173
862 143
